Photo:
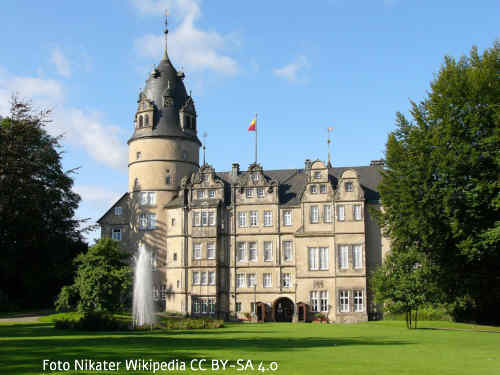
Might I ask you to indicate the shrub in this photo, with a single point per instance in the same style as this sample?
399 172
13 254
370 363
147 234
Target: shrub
67 299
92 321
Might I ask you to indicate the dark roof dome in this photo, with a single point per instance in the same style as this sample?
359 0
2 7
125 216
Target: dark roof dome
165 88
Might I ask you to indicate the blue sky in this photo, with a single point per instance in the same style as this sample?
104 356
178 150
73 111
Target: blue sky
303 67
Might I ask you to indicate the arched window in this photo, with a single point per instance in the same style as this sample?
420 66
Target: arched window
146 120
140 121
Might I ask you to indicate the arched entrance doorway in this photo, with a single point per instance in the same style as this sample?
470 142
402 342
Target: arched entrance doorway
283 310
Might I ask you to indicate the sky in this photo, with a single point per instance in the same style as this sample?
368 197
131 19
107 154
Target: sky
301 66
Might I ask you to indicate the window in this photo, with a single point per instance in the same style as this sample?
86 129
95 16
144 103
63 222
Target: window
287 217
138 155
314 189
140 121
196 305
143 221
348 186
242 219
343 257
268 218
344 301
204 306
200 194
357 256
314 212
253 307
203 278
252 251
255 177
156 293
151 221
287 251
175 257
163 292
358 300
204 177
327 213
268 251
238 307
196 278
168 180
240 280
197 251
323 258
356 211
323 301
173 221
313 259
314 301
251 280
146 120
147 198
260 192
204 218
116 234
249 193
340 213
211 194
268 280
118 211
211 250
211 306
241 251
253 218
196 219
211 218
178 283
322 189
317 175
286 280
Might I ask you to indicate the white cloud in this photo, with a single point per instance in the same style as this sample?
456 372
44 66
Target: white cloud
99 194
81 128
61 62
293 72
188 45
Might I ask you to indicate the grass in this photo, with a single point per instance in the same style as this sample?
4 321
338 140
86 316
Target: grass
369 348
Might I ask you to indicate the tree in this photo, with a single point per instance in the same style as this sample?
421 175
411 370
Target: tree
39 236
103 280
440 189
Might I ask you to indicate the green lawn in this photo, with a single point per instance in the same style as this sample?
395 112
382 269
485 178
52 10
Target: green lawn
369 348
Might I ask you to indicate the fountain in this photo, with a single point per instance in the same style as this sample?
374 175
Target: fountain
143 310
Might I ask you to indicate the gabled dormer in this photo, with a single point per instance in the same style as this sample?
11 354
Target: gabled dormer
349 187
187 115
144 117
317 185
206 185
254 185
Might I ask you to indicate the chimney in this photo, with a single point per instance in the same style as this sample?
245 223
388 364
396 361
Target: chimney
236 170
377 163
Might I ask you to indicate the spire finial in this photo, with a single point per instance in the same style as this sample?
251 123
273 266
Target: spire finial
204 148
165 55
329 141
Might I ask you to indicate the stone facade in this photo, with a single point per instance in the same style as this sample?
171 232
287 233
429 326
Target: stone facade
268 244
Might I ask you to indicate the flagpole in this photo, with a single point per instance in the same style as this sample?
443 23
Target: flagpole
256 138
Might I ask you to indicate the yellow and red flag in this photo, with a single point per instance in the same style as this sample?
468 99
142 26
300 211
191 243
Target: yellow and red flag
253 125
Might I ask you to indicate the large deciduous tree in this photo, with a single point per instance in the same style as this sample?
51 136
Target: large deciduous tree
39 236
440 189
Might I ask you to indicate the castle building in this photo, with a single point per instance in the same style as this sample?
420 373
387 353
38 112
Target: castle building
275 245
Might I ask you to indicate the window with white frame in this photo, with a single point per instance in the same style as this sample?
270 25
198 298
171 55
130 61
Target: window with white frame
314 296
196 278
249 192
252 251
204 306
356 212
116 234
358 300
317 175
323 258
143 221
211 306
151 221
287 251
343 257
348 186
268 251
196 219
255 177
156 293
287 217
204 218
286 280
343 301
314 189
322 189
200 194
211 278
197 251
268 218
211 218
147 198
241 253
240 280
314 211
196 305
211 194
323 300
253 218
327 213
251 280
238 307
267 280
211 250
163 292
340 212
260 192
357 256
118 211
242 219
313 258
203 278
